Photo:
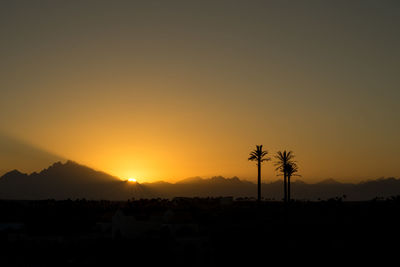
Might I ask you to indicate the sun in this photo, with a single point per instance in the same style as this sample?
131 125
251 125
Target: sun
132 180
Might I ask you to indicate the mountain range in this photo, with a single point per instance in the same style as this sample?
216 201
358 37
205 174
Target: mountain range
72 180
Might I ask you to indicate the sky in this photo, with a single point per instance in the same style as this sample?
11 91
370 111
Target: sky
164 90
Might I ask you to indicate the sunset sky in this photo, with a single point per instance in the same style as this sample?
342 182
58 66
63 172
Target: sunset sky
164 90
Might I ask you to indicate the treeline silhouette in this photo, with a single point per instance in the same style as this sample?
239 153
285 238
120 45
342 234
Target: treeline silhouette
237 228
285 165
65 233
71 180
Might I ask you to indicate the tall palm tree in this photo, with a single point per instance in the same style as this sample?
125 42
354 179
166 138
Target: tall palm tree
282 160
260 156
291 170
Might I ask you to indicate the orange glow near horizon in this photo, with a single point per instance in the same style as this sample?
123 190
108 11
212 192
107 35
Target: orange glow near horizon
171 160
148 91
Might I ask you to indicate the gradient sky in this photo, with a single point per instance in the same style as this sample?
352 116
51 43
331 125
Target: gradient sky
172 89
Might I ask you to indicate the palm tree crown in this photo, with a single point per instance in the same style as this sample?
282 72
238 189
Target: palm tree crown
283 161
260 156
292 169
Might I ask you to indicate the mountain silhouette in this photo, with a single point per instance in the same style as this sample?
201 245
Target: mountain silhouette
62 181
191 180
329 181
72 180
22 154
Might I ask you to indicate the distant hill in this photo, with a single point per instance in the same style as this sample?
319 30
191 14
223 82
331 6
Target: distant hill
328 181
190 180
72 180
62 181
21 154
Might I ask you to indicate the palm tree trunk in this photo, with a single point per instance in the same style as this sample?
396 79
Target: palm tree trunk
284 187
288 188
259 182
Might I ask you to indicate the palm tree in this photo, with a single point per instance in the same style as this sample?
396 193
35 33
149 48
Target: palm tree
291 170
260 156
282 160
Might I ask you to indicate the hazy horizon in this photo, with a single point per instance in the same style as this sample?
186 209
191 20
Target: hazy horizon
141 132
167 90
265 180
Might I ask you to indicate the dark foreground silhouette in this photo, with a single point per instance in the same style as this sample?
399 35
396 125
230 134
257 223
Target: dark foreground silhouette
72 180
196 232
259 155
